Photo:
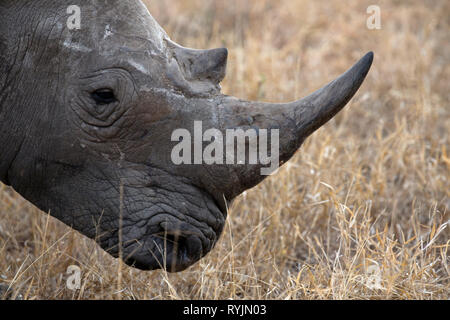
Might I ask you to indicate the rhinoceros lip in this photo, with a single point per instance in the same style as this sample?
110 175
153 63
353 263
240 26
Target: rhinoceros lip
173 252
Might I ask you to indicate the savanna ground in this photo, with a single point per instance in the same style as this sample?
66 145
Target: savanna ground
361 212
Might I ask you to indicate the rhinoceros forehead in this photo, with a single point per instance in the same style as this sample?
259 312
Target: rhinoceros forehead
126 24
133 20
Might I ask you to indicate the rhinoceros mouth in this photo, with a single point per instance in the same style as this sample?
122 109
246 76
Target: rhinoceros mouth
172 251
179 228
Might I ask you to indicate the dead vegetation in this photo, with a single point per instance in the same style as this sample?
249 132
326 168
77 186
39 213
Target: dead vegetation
362 210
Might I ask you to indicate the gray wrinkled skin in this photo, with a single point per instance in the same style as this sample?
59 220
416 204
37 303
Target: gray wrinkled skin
86 118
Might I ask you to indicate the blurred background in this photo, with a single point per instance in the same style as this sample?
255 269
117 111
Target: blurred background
361 211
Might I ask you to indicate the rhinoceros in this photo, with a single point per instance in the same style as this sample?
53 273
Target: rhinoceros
87 116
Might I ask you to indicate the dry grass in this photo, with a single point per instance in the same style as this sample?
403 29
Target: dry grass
367 194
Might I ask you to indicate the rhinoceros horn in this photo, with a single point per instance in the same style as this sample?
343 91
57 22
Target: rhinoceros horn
295 121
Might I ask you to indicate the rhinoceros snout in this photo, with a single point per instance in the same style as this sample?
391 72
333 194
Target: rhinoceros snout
171 250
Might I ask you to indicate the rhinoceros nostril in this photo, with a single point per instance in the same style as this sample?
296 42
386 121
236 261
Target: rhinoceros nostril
176 242
181 248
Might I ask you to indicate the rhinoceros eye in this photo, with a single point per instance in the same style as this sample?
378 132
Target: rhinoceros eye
103 96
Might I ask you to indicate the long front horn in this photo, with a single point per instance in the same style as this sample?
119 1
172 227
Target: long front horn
295 121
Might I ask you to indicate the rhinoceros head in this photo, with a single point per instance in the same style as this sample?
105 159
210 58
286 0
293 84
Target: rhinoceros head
92 119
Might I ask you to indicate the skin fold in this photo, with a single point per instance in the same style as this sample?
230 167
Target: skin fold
86 119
